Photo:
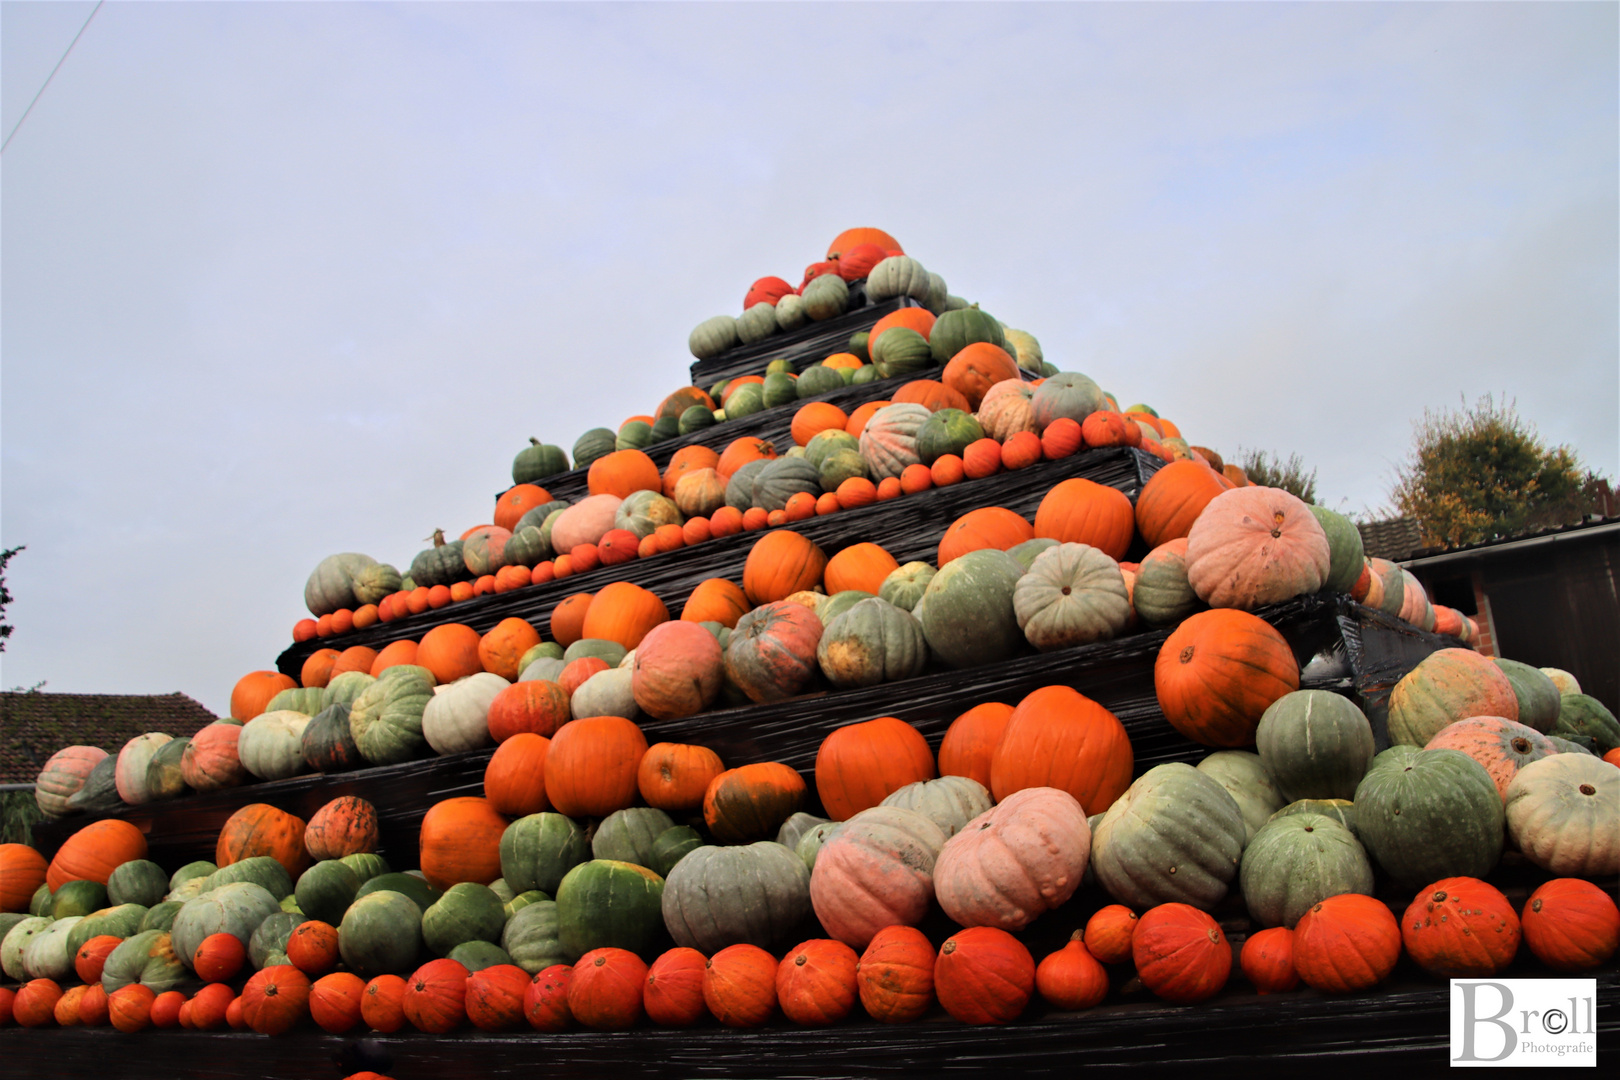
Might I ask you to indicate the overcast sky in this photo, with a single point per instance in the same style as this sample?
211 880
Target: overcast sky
283 280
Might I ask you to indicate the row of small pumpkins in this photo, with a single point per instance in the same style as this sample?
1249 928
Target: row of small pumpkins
1457 927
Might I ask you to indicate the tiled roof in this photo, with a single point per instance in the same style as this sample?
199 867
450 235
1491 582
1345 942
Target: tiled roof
1394 540
1593 521
35 725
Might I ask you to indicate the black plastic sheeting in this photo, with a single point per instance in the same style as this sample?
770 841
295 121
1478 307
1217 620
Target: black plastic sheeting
810 344
1118 674
1404 1022
908 527
775 425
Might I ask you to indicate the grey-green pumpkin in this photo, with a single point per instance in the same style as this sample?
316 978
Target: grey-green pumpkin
757 894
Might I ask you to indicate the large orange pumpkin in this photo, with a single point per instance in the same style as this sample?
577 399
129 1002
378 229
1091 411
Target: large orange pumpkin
780 564
1217 674
591 766
517 501
623 612
623 473
450 652
976 368
94 852
515 778
253 691
716 600
688 459
261 829
674 776
971 741
859 566
539 706
1059 738
1173 497
865 235
22 872
987 527
461 841
568 618
1080 511
859 765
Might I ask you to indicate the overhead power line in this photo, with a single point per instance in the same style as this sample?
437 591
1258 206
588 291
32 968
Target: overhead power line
52 75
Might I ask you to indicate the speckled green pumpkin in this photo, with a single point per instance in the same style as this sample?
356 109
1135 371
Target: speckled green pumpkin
906 585
381 934
1582 715
871 643
326 890
967 610
1424 815
948 431
595 443
1297 861
419 891
757 894
537 851
530 938
605 903
139 881
467 911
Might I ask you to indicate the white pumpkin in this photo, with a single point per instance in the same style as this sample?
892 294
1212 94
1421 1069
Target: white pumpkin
46 955
130 773
271 745
607 693
457 718
1563 812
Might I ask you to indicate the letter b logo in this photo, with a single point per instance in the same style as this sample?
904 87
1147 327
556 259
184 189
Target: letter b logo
1471 1018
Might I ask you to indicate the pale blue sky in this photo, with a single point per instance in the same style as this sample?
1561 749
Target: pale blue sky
282 280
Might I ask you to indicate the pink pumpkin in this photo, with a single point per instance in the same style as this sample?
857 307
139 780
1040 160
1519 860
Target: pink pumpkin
1016 860
1447 686
678 670
63 775
586 522
876 872
1253 546
1502 746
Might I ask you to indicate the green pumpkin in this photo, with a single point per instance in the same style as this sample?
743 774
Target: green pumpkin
644 511
271 936
838 603
873 642
1316 744
605 903
967 611
956 330
1245 778
902 351
381 934
1346 556
290 903
326 890
537 851
546 650
164 780
527 546
783 478
366 865
328 744
78 898
780 389
862 375
151 958
595 443
345 688
633 435
236 908
374 582
40 903
746 400
694 419
825 443
1424 815
740 488
1024 348
709 339
630 835
665 427
467 911
202 868
1537 694
1296 862
1342 811
478 955
419 891
1163 596
99 795
1069 394
262 870
794 828
906 585
121 921
538 461
757 894
1584 716
441 564
1176 835
609 652
161 916
9 919
948 431
673 845
817 379
1027 552
757 324
16 943
859 342
386 719
521 901
139 881
840 465
331 584
530 938
826 297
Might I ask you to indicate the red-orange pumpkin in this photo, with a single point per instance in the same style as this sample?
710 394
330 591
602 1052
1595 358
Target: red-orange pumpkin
1346 943
568 618
545 1002
312 948
435 999
1267 960
1570 924
1461 928
1218 672
500 650
623 473
860 765
494 1000
673 777
461 841
261 829
535 706
739 985
95 851
22 871
716 600
815 982
673 992
895 976
1109 932
335 1000
591 766
859 566
515 778
382 1006
1181 955
976 368
1071 978
984 975
275 999
606 987
345 826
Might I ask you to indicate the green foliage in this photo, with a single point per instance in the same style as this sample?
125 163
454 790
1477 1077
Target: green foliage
18 814
5 595
1481 472
1270 470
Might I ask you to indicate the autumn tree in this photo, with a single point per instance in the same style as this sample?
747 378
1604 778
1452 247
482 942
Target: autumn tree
1481 472
1271 470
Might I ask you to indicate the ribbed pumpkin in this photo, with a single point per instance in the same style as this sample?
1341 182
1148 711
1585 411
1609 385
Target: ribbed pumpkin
949 801
1180 953
755 893
1447 686
1019 859
1253 546
1072 595
1005 410
1461 928
534 706
1267 960
1571 925
591 766
461 841
674 776
771 654
1218 673
210 762
344 826
1174 836
1173 498
895 975
1316 744
739 986
750 803
22 871
1561 813
275 999
877 871
889 438
1059 738
1502 746
679 670
984 975
1429 814
976 367
1297 860
871 641
781 563
858 765
63 775
1346 943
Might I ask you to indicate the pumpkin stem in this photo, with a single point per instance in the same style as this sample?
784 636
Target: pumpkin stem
437 538
534 441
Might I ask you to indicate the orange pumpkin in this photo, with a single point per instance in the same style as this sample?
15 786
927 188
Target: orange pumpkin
976 368
674 776
814 417
461 841
673 992
895 977
1081 511
984 975
253 691
739 985
687 460
931 395
538 706
517 501
750 803
863 413
1267 960
261 829
605 990
987 527
335 1000
919 319
568 618
95 851
780 564
1461 928
624 613
859 566
739 453
851 238
859 765
515 778
1571 924
623 473
1346 943
1109 933
450 652
275 999
1058 737
354 658
815 982
317 669
345 826
500 650
716 600
1218 672
1072 978
1172 499
971 741
22 872
591 766
382 1004
1061 438
1180 953
856 491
